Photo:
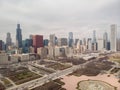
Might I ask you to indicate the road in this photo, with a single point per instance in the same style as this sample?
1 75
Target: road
40 81
47 78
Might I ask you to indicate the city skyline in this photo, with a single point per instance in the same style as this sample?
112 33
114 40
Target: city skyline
98 35
59 45
58 17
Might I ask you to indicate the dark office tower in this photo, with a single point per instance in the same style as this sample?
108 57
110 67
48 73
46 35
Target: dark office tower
46 41
84 41
108 45
26 45
89 43
1 45
37 42
18 36
81 42
8 40
76 41
105 40
56 40
94 36
62 42
70 39
31 41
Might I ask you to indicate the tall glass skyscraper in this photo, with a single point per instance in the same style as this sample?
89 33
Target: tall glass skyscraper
18 36
70 39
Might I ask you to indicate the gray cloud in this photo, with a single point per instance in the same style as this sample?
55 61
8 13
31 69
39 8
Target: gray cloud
58 16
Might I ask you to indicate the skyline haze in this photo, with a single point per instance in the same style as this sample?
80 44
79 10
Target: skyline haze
46 17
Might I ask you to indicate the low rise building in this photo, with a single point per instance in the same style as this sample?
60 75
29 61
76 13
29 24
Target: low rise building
51 52
42 51
100 44
13 58
4 59
68 51
59 51
24 57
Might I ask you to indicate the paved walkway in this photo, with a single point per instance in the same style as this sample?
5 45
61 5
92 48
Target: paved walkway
10 81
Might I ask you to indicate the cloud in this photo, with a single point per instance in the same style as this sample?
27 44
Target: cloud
58 16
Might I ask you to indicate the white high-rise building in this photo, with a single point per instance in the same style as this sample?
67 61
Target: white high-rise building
52 40
113 37
100 44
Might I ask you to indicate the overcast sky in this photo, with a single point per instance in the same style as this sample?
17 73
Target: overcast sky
46 17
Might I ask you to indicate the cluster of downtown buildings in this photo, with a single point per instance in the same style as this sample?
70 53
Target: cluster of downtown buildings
36 47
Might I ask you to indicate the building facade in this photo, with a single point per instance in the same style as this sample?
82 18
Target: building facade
118 44
62 42
113 37
18 36
46 41
8 40
70 39
100 44
94 36
37 42
105 40
1 45
89 43
52 40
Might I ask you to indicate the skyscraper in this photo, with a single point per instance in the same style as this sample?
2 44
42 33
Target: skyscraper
113 37
52 40
26 44
84 42
1 45
46 41
89 43
18 36
70 39
100 44
105 40
118 44
8 40
37 42
62 42
94 42
94 36
31 41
